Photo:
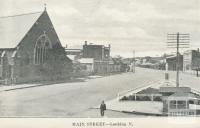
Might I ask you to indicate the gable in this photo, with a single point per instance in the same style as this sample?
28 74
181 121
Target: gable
14 28
46 25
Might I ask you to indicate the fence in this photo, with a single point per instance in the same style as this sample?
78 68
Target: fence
142 97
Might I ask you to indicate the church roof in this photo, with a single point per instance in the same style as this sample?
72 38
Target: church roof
14 28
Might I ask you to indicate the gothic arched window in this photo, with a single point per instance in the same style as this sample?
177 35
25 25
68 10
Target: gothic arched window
42 46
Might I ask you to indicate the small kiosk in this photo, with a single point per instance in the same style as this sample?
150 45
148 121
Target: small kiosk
180 101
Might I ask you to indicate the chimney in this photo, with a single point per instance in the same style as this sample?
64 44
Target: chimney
85 42
197 49
66 46
109 46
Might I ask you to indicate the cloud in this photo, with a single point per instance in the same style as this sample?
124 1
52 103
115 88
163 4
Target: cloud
125 24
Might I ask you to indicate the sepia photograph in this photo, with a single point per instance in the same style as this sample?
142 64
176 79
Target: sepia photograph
100 63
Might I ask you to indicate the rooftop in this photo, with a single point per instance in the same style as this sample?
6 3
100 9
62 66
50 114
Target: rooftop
71 57
73 50
173 56
175 89
96 45
86 60
183 95
191 50
14 28
149 91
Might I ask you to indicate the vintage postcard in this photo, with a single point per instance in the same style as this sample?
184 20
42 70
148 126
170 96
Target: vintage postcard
99 63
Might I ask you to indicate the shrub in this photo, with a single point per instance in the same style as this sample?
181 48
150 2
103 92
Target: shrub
157 98
124 98
143 98
131 97
146 98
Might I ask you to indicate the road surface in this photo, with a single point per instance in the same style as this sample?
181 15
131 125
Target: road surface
76 99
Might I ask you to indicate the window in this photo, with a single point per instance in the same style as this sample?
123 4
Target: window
41 49
181 104
2 57
191 113
172 104
191 102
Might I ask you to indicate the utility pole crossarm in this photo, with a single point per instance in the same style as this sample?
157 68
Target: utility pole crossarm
178 41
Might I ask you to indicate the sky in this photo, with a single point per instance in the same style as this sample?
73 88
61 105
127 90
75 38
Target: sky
139 25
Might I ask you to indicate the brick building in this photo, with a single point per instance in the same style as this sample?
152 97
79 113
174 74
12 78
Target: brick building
98 52
103 62
30 49
191 60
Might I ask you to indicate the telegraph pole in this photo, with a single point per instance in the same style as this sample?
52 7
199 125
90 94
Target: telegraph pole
178 41
177 61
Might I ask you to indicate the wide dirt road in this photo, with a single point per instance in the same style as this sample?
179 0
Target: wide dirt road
76 99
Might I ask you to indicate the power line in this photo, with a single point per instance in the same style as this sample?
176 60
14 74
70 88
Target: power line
178 40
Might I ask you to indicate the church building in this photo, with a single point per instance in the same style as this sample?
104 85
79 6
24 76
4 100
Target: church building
30 49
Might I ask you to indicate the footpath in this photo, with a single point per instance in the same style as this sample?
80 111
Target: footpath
15 87
28 85
151 108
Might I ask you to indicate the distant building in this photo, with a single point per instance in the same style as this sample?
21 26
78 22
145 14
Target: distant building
31 50
77 52
151 62
122 66
94 59
191 60
74 54
171 61
87 64
98 52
